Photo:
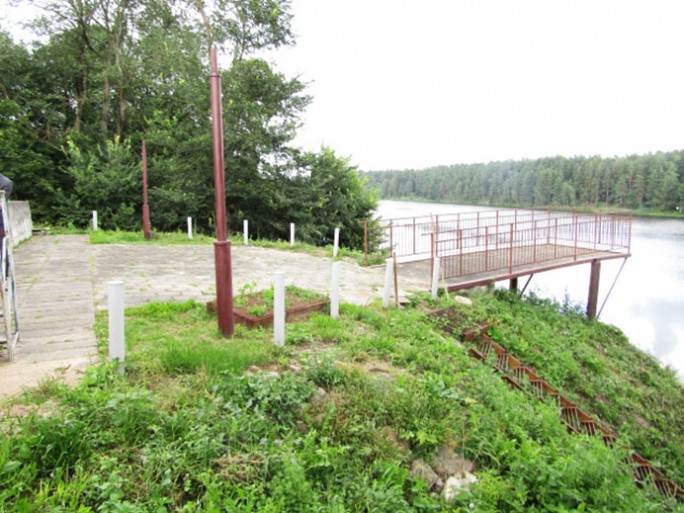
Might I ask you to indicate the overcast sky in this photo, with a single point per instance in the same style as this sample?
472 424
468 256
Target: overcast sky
410 84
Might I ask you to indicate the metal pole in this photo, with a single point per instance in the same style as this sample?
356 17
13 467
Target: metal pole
245 232
336 242
335 291
510 252
189 227
94 220
146 207
292 234
435 279
389 268
279 308
115 301
222 258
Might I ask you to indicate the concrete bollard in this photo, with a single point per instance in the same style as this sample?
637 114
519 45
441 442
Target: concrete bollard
335 291
435 278
279 308
389 276
336 244
189 227
117 342
245 232
292 234
94 220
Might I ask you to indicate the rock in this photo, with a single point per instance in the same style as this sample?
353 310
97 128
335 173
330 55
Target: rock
458 483
447 463
294 368
462 300
320 396
423 471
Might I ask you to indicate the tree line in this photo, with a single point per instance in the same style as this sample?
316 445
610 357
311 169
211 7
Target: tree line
76 104
650 182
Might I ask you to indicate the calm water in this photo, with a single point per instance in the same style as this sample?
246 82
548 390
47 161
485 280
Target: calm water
647 301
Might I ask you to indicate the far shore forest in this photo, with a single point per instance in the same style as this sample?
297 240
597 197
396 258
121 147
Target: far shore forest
652 183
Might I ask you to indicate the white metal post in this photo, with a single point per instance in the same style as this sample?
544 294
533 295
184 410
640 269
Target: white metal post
435 278
292 234
335 291
336 244
245 232
94 220
389 276
279 308
117 343
189 227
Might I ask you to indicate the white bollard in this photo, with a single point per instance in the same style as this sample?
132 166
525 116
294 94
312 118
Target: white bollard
292 234
117 343
279 308
389 276
94 220
435 278
336 244
189 227
245 232
335 291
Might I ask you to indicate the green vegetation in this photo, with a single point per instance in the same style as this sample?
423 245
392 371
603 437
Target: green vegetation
642 183
258 303
76 106
333 421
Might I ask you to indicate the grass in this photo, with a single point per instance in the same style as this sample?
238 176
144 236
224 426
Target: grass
331 422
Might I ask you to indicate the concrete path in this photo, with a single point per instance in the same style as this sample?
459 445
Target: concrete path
62 281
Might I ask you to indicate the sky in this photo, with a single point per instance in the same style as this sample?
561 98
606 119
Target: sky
399 84
410 84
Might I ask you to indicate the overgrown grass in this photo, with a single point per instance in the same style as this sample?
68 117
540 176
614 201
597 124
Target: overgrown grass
331 422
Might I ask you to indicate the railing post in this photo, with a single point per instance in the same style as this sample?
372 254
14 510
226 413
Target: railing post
460 258
497 231
486 248
510 251
555 238
414 235
576 221
534 247
391 236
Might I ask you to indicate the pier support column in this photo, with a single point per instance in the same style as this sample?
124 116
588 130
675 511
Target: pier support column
513 285
593 288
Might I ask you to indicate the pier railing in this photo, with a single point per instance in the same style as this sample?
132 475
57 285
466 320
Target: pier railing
480 242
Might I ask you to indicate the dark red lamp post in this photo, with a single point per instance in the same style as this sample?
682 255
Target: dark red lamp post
222 259
146 207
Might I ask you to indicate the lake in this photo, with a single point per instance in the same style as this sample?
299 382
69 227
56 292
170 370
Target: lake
647 301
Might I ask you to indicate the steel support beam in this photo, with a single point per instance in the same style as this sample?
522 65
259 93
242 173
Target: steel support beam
592 301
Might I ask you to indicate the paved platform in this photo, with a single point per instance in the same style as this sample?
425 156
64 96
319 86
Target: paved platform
62 281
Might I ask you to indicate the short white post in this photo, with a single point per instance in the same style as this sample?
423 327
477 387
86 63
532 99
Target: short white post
189 227
389 276
279 308
117 343
245 232
292 234
435 278
335 291
336 244
94 220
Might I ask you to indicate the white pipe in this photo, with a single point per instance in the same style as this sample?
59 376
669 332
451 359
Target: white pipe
435 278
335 291
245 232
389 276
279 308
117 343
292 234
336 244
94 220
189 227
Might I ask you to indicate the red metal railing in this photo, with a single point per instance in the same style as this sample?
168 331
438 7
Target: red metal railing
480 242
